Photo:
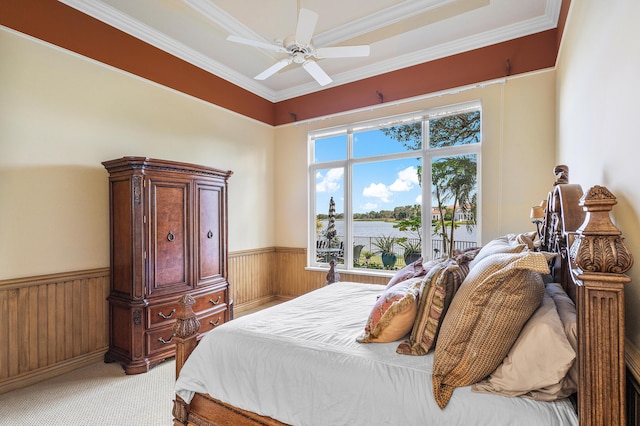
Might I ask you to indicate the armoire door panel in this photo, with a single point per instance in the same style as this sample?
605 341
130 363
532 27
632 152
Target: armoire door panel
169 226
209 233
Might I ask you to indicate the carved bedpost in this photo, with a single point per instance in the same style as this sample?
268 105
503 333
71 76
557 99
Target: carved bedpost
599 259
185 334
185 330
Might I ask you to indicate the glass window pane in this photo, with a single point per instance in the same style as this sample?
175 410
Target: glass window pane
385 195
330 149
460 129
454 189
390 140
330 215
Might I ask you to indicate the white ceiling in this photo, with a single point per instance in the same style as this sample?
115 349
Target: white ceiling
401 33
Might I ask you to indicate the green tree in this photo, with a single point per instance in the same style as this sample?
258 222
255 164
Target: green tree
454 178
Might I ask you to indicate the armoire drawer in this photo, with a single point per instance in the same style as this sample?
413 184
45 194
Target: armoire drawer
211 320
160 340
215 299
166 312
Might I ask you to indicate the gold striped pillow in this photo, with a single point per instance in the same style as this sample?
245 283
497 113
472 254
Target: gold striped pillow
484 319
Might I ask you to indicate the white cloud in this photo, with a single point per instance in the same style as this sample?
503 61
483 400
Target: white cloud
419 199
377 190
329 182
405 181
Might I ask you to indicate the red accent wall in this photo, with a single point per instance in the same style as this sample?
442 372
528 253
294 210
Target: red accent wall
525 54
59 24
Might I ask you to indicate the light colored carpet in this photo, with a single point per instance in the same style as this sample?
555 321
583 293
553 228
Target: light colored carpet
96 395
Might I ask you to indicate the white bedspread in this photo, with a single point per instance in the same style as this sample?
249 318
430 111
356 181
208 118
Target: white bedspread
299 362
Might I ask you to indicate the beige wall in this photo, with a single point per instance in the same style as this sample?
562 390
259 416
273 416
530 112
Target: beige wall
518 144
62 115
598 90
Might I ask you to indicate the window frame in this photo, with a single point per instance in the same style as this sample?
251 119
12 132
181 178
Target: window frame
426 153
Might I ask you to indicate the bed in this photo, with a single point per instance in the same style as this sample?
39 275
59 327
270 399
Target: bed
315 359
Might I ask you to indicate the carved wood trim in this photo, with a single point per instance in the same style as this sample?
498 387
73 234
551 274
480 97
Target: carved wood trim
185 330
598 258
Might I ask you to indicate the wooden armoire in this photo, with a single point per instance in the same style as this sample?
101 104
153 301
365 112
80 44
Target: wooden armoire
168 225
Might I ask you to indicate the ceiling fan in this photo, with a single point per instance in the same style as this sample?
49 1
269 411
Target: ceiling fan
301 51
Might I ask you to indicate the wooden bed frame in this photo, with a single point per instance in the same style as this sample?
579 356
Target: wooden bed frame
591 267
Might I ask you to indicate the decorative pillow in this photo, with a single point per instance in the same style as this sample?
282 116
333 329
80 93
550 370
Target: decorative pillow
538 360
466 256
464 260
393 314
505 244
438 289
484 319
412 270
567 313
526 238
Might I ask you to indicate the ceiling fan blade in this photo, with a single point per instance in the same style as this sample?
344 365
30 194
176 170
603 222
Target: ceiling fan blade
256 43
307 20
342 52
273 69
317 73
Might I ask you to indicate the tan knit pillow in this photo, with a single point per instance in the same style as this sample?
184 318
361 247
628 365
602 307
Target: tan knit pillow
484 319
437 291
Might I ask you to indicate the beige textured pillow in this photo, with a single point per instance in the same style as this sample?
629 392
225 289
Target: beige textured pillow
437 291
538 360
505 244
567 313
484 319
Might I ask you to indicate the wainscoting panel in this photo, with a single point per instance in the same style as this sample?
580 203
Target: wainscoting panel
49 323
292 279
250 276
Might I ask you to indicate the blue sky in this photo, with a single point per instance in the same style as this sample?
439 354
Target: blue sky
376 186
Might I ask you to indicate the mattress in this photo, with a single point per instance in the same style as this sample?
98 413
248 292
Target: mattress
299 363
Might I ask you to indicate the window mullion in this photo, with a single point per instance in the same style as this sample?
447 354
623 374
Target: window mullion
427 206
348 204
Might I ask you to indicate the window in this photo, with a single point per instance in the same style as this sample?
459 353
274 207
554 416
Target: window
368 195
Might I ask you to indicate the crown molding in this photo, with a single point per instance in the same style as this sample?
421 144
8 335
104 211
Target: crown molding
125 23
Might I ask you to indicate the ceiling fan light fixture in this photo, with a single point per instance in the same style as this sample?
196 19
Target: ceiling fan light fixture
301 51
299 57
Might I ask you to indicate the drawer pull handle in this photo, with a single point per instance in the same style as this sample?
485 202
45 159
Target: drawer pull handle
171 237
216 301
167 316
215 323
160 339
209 234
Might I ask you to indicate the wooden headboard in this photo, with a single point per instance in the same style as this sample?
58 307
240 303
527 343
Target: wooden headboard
591 266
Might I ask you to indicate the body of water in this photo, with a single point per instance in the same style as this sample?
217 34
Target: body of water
365 232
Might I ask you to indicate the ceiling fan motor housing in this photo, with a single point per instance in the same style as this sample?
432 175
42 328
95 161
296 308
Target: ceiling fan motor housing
297 52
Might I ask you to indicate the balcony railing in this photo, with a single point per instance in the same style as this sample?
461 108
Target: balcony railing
368 246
